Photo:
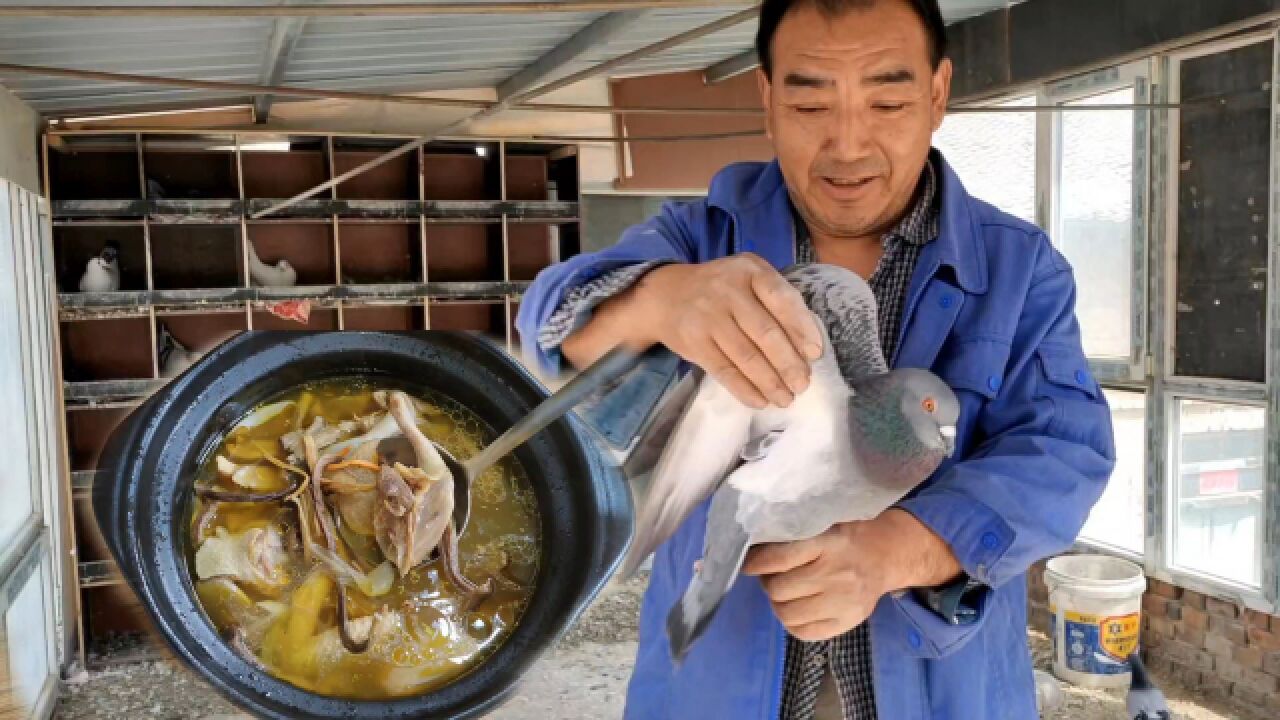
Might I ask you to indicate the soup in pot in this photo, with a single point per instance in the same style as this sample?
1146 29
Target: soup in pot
327 555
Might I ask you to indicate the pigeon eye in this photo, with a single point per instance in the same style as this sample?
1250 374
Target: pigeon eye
929 405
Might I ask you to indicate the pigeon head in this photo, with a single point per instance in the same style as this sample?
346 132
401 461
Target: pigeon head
930 408
283 266
109 255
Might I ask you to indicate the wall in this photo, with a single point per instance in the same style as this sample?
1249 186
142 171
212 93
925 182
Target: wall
19 142
1040 39
605 217
685 167
1205 643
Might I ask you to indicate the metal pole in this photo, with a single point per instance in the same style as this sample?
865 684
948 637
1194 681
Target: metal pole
418 9
315 94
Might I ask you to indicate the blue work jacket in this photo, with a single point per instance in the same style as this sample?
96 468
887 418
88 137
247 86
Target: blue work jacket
990 310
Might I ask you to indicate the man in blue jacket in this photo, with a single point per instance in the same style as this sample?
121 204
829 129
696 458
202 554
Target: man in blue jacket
920 613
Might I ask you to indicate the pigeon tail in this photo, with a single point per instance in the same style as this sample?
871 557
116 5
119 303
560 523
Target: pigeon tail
1145 701
1140 680
723 554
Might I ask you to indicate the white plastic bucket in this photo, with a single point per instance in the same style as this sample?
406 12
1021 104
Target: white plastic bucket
1095 606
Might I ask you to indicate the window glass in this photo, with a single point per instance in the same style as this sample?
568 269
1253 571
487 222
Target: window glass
995 156
1218 490
1118 519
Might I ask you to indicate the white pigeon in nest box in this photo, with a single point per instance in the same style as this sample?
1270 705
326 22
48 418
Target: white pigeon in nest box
281 274
102 273
174 356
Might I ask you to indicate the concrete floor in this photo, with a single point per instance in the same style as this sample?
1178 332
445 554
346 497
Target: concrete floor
584 678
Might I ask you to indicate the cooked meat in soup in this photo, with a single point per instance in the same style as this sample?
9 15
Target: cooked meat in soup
339 570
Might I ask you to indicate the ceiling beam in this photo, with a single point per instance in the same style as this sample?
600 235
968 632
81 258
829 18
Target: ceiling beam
285 33
730 67
595 34
508 102
649 50
408 9
247 89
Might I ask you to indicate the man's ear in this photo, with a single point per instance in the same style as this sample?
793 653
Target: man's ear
766 99
940 92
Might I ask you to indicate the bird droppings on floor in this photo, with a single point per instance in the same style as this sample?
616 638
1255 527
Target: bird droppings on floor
583 678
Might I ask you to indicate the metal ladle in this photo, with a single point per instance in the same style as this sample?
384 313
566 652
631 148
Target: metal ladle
612 366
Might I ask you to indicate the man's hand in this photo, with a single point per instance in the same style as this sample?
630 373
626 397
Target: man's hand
737 318
828 585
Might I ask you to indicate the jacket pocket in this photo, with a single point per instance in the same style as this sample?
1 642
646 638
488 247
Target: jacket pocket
1079 412
977 366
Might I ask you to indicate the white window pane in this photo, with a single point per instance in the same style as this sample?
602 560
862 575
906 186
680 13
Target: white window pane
1094 211
1118 519
1218 490
15 475
995 156
24 650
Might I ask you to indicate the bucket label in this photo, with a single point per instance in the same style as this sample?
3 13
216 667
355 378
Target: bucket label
1099 645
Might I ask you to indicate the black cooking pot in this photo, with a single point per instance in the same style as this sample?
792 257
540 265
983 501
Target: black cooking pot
143 500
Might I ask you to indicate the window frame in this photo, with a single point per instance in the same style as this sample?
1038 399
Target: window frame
1167 389
34 565
26 239
1049 177
1150 368
1244 591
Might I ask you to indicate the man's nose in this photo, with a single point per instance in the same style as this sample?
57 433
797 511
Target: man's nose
848 136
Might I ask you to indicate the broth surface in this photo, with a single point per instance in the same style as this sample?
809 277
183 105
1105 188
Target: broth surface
259 588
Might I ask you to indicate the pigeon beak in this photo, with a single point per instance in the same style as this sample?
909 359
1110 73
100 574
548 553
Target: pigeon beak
948 434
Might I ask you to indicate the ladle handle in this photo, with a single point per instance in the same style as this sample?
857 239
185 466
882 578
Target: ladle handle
613 365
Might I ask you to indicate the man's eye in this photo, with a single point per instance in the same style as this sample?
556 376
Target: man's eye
810 109
890 107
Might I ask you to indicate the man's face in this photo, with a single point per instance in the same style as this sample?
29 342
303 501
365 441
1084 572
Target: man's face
851 110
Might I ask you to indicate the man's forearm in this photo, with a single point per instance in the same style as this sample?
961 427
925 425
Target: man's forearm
923 559
627 319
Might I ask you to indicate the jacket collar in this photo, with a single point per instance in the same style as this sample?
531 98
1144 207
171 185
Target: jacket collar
756 197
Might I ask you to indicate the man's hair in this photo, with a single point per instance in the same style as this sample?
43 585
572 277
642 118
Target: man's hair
773 11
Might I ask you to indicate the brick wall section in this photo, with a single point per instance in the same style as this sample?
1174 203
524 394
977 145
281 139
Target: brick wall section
1205 643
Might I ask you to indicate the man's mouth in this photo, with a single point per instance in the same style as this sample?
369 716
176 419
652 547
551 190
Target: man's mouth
846 189
848 182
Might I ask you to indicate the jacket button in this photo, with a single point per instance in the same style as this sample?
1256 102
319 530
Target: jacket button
946 301
990 541
993 382
1082 376
914 639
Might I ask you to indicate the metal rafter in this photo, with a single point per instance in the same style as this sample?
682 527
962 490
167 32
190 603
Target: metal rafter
520 96
413 9
731 67
285 33
588 38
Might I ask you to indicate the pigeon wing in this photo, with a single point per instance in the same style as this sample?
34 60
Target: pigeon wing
724 550
644 457
705 446
845 304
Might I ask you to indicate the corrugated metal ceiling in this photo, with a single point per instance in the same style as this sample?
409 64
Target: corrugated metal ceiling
384 54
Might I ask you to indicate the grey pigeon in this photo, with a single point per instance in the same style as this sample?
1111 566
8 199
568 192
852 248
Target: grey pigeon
102 273
1145 701
856 441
